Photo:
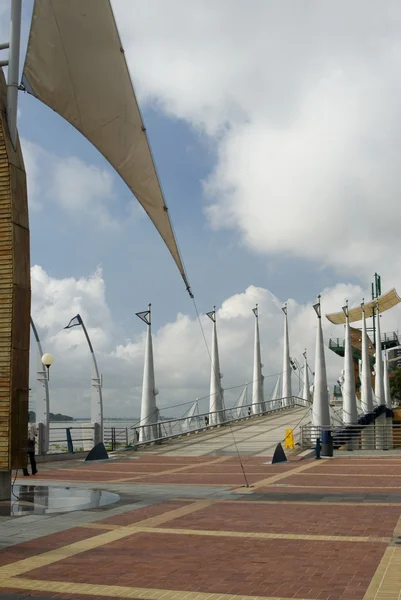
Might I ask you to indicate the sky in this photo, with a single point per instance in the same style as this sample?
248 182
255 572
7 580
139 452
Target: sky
276 134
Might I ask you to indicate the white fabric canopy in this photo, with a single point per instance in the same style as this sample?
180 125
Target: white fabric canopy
76 65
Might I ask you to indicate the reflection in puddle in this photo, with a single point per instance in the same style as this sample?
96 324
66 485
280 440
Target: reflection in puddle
45 500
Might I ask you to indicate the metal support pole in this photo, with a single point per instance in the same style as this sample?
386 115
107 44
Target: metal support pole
97 401
13 70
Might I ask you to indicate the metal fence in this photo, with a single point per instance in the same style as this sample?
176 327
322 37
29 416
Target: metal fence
378 435
73 438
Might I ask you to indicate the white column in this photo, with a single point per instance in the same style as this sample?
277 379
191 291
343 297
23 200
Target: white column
389 405
257 387
216 391
149 413
350 413
320 409
367 435
306 386
287 391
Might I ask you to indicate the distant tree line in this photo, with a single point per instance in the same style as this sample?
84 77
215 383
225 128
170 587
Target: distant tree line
52 417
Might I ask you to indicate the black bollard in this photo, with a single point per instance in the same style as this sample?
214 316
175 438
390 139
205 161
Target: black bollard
317 448
327 443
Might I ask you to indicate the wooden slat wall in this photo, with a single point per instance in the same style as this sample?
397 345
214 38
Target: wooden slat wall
14 300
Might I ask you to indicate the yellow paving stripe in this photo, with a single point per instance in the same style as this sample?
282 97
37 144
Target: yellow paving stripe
118 591
343 487
46 558
386 582
351 474
265 536
134 528
280 476
307 502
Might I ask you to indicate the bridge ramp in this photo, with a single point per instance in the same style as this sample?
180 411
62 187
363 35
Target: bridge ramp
257 436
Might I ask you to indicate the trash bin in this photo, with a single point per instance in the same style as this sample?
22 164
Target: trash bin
327 443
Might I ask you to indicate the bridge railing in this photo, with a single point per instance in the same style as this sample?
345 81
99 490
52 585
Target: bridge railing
375 436
143 434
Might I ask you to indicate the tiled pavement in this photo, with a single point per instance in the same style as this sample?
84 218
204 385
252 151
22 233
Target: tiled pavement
186 529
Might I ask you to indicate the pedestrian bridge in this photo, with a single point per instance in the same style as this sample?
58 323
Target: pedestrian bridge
253 436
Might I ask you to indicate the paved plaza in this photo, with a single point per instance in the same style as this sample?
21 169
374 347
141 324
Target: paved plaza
186 527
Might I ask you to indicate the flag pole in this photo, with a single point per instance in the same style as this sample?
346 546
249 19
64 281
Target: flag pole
13 70
42 405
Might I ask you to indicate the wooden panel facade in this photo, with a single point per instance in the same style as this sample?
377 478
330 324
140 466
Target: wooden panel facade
15 300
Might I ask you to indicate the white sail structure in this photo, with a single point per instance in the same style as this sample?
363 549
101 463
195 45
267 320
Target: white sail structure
75 64
306 395
287 370
320 408
42 400
275 401
367 434
192 417
350 413
389 405
216 391
148 429
257 387
241 402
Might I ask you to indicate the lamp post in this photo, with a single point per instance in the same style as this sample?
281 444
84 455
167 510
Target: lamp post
47 360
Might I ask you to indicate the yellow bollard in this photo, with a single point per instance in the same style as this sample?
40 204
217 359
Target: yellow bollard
289 439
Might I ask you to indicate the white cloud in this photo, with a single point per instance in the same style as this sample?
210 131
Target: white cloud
182 363
302 105
81 190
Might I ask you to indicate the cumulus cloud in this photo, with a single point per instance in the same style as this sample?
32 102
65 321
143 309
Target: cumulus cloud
81 190
182 362
302 106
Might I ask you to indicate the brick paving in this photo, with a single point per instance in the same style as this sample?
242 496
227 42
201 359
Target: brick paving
215 545
258 567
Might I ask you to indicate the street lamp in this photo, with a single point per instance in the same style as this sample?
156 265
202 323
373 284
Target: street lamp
47 361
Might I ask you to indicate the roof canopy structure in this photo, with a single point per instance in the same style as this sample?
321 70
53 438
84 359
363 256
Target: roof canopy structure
384 302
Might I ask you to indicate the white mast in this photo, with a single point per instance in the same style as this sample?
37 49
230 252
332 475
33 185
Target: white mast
350 414
287 392
306 387
216 391
380 423
149 412
257 391
389 405
42 403
320 410
367 435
